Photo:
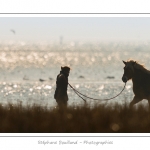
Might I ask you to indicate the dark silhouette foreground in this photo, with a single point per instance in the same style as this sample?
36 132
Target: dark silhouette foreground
83 119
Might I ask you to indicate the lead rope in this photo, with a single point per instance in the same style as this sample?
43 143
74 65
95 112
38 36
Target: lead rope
79 94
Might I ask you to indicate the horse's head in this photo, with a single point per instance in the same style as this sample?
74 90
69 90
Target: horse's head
128 70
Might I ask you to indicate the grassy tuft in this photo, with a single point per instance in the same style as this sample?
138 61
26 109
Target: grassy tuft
83 119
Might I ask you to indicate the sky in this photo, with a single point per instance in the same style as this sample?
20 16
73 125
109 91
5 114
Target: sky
75 28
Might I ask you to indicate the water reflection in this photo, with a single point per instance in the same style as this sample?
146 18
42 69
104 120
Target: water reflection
96 70
43 93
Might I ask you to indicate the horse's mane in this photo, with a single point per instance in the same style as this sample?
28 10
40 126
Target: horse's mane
139 66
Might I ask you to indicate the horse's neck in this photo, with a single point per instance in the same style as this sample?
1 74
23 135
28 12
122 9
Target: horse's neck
138 76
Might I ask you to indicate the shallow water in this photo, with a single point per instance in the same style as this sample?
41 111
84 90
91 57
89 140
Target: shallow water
97 69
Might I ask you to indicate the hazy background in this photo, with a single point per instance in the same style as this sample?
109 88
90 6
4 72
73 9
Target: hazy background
35 48
75 28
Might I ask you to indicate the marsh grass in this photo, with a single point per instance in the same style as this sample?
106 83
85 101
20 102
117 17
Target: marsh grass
74 119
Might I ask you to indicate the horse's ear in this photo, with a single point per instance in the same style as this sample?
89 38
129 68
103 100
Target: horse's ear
124 62
134 63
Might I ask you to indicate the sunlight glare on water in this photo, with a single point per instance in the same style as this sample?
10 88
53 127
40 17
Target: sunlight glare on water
96 70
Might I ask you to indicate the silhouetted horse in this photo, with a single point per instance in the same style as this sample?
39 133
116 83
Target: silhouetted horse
141 80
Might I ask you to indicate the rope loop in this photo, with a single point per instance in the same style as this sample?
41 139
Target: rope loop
79 94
